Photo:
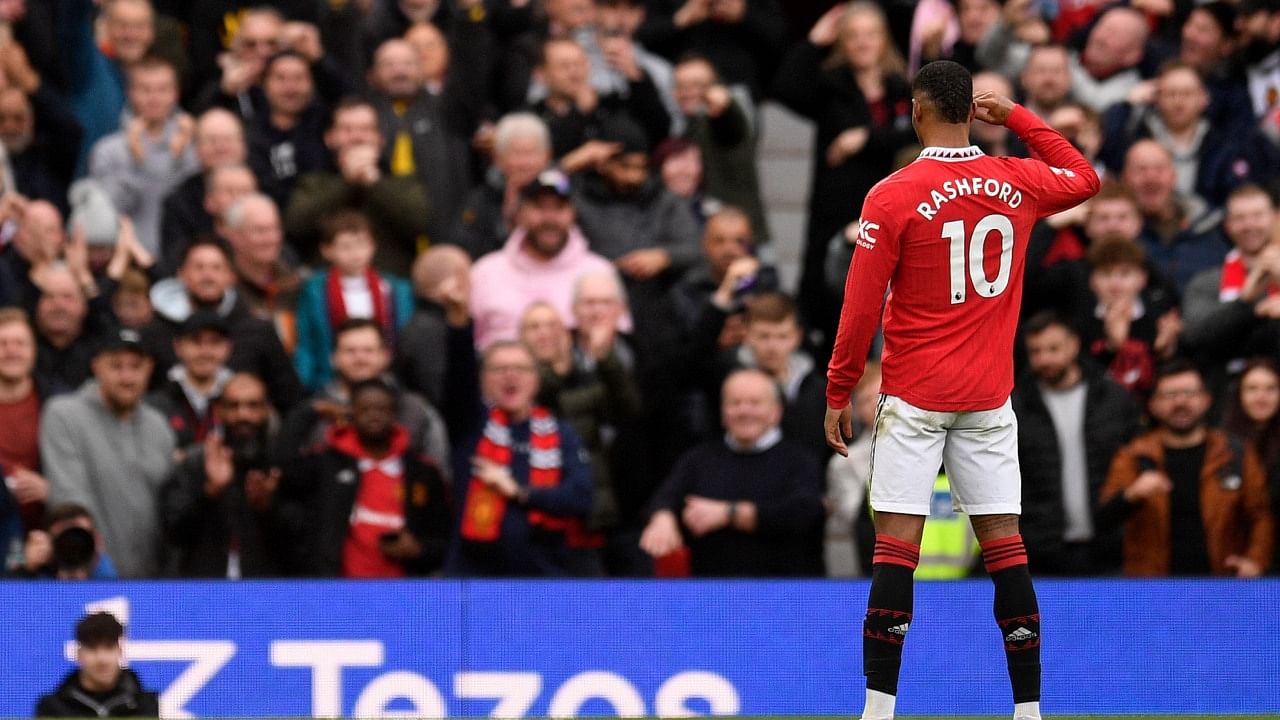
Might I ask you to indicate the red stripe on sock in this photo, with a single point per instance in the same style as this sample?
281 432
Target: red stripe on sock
1004 553
892 551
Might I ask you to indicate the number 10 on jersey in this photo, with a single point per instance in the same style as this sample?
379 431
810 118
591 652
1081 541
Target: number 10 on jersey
974 257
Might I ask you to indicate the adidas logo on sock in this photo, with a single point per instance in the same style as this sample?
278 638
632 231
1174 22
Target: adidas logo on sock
1019 634
900 629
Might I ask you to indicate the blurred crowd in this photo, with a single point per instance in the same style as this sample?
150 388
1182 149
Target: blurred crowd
382 288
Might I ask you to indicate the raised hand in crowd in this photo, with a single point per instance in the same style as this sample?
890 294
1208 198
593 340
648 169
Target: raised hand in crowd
304 39
846 145
1148 485
182 136
693 12
260 488
662 535
589 156
620 54
704 516
17 68
645 263
219 466
27 486
238 73
740 272
359 165
1117 321
128 251
728 11
37 553
1168 328
826 30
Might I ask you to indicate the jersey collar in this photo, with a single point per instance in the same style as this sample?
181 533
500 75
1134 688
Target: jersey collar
951 154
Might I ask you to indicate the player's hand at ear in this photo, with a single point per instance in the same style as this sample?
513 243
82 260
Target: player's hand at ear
991 108
838 425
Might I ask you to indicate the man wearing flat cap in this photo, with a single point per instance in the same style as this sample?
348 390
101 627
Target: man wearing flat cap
102 448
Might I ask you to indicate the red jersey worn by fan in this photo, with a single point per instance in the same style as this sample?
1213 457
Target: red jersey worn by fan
948 236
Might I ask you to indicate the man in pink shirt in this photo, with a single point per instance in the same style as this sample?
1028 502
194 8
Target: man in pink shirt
540 262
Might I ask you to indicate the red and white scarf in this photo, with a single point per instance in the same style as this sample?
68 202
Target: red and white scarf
379 293
1234 277
485 507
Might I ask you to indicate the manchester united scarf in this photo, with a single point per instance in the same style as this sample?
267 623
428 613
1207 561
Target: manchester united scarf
485 507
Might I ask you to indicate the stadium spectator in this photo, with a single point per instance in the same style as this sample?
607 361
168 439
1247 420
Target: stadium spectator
131 300
219 142
1230 311
457 70
100 685
206 281
152 153
1257 32
1207 42
1192 500
1103 73
995 139
679 163
186 397
1046 79
266 279
422 353
238 70
748 504
375 508
1083 127
97 72
285 139
1128 330
40 135
394 19
742 38
727 240
860 104
629 216
225 186
220 509
576 113
67 328
1253 415
1175 227
360 353
421 142
1071 421
943 31
529 485
539 262
350 288
849 536
1207 159
521 150
67 546
104 449
585 379
395 204
23 392
717 123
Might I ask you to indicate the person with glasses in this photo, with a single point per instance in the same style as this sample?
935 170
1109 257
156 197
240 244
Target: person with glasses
1192 499
528 482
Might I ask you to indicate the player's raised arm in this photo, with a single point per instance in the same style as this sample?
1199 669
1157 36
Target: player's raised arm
1065 178
874 259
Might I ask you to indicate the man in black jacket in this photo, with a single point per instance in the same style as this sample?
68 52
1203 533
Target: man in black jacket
99 687
373 507
1071 421
205 281
219 508
203 345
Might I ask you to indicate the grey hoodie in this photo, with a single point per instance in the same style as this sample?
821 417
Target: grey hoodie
113 466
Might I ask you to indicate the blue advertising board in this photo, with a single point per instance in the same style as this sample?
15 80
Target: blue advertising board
535 648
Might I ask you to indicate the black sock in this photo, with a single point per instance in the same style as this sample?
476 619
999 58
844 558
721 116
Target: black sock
888 612
1017 614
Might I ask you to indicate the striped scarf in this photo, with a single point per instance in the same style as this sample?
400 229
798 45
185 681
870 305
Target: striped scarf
482 515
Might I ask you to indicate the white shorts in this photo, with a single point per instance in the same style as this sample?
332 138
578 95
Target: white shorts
979 450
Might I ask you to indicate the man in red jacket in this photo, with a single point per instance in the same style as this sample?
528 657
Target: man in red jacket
950 232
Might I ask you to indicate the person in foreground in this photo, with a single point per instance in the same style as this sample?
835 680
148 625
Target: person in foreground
950 232
99 686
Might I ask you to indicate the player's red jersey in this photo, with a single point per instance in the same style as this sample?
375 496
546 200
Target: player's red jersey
948 236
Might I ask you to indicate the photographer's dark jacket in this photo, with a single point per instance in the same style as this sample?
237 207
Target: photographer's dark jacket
128 699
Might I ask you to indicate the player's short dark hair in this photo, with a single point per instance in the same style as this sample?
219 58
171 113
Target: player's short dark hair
771 307
99 629
1176 366
1112 252
1044 320
949 87
353 324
